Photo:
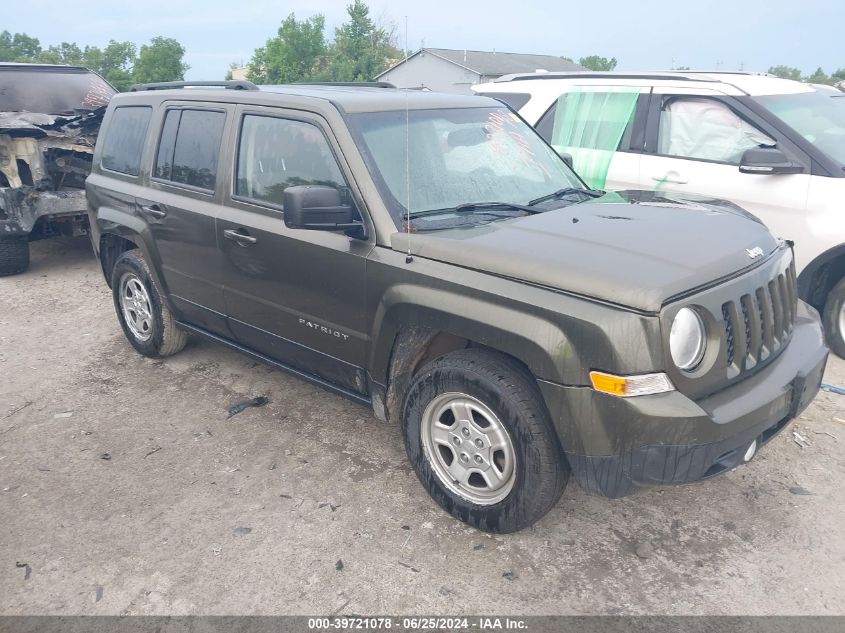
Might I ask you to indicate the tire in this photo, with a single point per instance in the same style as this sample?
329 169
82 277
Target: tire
14 256
516 488
833 318
143 314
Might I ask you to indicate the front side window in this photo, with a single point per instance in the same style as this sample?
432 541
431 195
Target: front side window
706 129
817 116
124 140
274 154
426 160
591 125
190 147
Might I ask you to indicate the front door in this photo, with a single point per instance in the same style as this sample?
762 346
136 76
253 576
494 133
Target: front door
696 143
297 296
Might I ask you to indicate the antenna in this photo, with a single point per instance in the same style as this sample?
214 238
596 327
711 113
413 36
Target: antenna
408 257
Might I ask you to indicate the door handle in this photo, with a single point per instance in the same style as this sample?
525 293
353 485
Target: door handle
671 177
153 210
241 238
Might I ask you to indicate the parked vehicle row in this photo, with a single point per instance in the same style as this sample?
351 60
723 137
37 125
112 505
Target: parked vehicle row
773 146
433 257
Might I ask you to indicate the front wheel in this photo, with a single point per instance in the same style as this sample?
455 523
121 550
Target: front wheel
480 440
143 314
834 319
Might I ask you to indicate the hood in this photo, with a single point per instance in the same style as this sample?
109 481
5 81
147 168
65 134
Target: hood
636 249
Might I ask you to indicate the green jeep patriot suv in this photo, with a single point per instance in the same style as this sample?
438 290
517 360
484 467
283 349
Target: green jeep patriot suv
431 256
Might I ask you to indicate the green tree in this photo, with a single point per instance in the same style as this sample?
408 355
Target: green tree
296 53
64 53
160 60
786 72
838 74
19 47
818 77
594 62
115 62
361 48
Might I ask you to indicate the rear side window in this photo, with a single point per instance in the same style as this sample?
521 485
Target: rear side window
591 120
274 154
124 140
591 126
190 147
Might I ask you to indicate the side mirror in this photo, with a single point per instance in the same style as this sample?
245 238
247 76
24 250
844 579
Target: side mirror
318 208
767 160
567 158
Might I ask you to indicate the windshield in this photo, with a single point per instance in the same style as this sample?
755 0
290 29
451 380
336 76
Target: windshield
817 116
458 156
52 92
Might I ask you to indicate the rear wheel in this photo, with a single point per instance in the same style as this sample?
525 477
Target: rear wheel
14 256
143 314
834 319
481 442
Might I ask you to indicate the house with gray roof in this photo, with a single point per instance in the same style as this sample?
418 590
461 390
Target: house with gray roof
448 70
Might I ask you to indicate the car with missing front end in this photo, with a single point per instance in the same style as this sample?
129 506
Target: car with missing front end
432 257
49 119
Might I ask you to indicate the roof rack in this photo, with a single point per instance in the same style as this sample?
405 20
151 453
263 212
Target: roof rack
349 84
683 75
167 85
593 75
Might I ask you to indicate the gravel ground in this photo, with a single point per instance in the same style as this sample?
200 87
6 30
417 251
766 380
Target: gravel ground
125 490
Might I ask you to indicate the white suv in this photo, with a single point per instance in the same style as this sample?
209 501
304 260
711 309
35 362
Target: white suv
775 147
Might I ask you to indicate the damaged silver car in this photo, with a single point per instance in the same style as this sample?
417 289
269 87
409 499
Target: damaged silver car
49 120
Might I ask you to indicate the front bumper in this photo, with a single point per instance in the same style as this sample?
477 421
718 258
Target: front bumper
615 444
22 207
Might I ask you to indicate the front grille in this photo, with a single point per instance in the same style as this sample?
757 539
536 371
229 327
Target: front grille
759 323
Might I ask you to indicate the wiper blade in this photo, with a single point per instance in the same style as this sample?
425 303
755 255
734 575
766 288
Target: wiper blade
470 207
560 193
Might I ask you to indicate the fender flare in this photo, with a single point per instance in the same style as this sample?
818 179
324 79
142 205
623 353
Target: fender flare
110 221
479 321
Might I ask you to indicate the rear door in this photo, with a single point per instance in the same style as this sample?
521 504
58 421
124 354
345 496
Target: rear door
297 296
694 143
602 128
181 205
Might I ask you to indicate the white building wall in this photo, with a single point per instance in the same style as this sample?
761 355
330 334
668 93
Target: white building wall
429 71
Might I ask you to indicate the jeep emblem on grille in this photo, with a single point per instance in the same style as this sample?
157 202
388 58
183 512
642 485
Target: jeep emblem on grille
754 252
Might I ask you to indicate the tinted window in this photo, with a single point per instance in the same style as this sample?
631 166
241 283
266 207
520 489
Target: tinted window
124 139
705 129
164 159
191 158
274 154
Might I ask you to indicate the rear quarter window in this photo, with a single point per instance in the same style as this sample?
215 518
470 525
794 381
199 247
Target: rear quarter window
124 140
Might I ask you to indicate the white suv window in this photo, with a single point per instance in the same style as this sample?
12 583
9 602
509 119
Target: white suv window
705 129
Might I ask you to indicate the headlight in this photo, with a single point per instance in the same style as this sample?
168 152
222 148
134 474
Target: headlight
686 339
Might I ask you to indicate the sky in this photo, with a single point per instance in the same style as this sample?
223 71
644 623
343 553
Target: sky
642 34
